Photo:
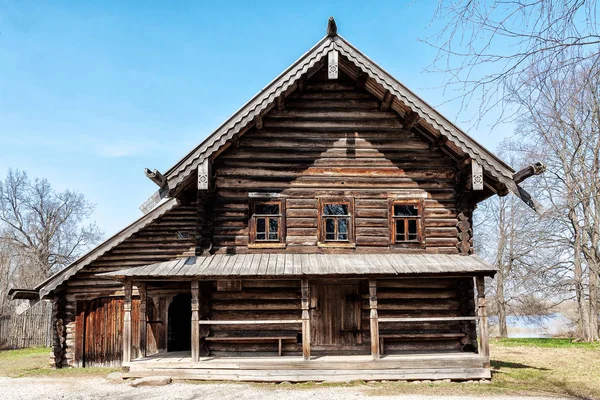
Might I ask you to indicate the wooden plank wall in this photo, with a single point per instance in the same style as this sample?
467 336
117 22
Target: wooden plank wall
421 298
332 140
258 300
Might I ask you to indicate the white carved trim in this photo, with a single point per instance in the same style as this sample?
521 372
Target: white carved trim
332 64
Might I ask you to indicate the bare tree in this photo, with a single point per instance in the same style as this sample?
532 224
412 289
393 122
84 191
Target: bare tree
485 46
41 230
562 128
525 252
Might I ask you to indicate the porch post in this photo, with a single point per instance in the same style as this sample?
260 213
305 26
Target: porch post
143 296
195 319
127 288
305 319
481 313
374 319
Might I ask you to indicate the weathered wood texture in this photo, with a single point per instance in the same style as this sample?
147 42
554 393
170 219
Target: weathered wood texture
258 300
332 139
99 340
414 298
167 238
340 314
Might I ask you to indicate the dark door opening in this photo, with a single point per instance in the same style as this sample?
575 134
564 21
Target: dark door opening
180 323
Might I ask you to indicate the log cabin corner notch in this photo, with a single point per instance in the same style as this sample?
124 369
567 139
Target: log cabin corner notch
323 232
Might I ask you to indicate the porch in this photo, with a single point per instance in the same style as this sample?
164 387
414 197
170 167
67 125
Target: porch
331 368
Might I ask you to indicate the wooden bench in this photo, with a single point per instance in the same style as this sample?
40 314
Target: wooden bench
276 338
421 336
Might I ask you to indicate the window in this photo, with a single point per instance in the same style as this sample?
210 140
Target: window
266 223
406 221
335 225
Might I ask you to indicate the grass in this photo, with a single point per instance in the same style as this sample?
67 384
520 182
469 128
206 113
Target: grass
36 362
550 367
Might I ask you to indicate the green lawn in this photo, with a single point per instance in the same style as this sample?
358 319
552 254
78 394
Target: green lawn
36 362
556 367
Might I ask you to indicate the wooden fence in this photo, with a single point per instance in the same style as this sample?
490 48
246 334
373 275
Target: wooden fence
33 328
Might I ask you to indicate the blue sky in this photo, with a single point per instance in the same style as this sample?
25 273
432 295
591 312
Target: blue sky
93 92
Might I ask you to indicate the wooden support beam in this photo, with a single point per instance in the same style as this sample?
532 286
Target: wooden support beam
361 80
127 289
156 177
195 320
411 119
387 101
258 122
280 102
142 290
533 169
305 289
374 320
438 143
482 314
462 164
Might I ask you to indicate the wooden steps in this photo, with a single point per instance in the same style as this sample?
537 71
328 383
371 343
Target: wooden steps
455 366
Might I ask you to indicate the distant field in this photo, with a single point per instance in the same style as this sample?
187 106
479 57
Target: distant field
554 367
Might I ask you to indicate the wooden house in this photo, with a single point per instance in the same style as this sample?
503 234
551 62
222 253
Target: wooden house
323 232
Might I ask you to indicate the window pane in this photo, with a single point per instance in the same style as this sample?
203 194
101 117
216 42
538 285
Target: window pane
342 236
273 229
342 225
261 236
329 225
412 229
335 209
400 230
406 210
261 225
266 209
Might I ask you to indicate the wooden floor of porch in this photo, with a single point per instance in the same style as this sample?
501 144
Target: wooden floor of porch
456 366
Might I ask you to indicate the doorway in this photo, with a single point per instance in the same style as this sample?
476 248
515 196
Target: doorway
335 317
180 323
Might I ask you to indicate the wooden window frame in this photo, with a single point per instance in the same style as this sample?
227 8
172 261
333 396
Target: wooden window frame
321 227
420 241
281 230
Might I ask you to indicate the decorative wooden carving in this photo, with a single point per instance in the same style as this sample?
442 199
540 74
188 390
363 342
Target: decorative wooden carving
331 27
305 289
476 175
332 64
482 314
195 336
142 289
127 288
203 176
374 320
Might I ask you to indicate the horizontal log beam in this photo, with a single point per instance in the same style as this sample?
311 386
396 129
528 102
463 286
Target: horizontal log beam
533 169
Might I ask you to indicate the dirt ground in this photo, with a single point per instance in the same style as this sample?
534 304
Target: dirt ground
99 388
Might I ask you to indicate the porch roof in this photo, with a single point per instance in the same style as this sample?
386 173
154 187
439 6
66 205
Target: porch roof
289 265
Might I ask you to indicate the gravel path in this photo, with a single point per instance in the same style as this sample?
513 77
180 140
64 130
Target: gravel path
99 388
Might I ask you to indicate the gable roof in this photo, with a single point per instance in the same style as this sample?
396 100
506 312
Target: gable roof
378 82
47 286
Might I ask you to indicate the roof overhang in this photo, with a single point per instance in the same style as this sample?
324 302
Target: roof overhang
378 82
23 294
284 265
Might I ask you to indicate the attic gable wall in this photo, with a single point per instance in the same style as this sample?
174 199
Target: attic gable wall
159 241
332 139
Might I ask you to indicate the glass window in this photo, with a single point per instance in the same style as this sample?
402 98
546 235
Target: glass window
406 222
266 222
336 222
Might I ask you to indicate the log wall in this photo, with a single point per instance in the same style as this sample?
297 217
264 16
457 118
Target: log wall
332 139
